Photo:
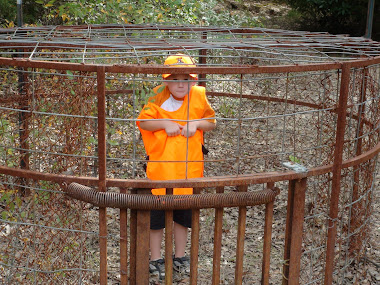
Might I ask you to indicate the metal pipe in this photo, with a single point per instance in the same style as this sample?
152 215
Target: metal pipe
20 20
368 29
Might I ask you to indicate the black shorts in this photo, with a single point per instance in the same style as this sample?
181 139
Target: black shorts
157 218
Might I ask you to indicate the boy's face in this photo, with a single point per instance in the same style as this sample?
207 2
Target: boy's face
179 84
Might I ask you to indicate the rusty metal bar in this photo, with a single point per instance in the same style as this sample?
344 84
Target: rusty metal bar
288 230
297 231
356 219
194 242
267 239
336 173
203 61
169 243
23 126
133 243
123 244
218 230
159 69
294 231
240 240
102 172
142 247
139 243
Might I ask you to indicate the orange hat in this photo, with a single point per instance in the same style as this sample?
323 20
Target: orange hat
180 60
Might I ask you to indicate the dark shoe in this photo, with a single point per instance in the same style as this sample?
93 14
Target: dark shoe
157 267
182 265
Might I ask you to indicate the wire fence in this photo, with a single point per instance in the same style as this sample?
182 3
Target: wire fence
277 97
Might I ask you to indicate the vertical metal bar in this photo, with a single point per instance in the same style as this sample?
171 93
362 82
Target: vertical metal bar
24 105
133 244
169 243
368 29
267 239
240 240
24 117
336 172
102 171
356 219
218 230
202 60
142 244
20 20
294 231
288 230
194 243
297 231
123 244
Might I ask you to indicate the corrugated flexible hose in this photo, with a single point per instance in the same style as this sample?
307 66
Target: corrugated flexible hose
169 202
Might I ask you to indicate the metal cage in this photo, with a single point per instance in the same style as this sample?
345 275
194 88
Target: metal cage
296 111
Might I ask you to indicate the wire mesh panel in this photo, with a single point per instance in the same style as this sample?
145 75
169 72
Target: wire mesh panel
277 97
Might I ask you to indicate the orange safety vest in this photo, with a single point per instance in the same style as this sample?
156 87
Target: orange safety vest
176 157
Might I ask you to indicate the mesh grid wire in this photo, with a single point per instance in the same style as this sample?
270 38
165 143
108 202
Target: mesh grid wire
49 122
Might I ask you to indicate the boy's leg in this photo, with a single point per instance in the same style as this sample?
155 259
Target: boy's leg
155 243
182 221
157 263
180 239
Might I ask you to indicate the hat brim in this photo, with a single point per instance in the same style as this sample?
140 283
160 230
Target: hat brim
164 76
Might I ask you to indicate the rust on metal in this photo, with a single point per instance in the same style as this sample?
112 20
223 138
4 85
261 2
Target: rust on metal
194 250
169 242
123 244
218 231
358 208
149 202
102 173
240 239
297 230
337 174
267 239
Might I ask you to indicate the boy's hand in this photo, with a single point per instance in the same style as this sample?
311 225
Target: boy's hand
173 129
189 129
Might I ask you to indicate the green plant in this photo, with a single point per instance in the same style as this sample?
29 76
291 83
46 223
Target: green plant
294 159
334 16
194 12
8 12
227 107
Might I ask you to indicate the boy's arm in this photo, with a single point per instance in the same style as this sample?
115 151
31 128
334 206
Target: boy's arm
171 128
190 128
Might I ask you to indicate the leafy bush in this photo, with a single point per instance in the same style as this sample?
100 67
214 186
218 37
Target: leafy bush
193 12
8 12
334 16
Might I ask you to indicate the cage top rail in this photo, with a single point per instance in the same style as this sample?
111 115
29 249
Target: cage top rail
150 44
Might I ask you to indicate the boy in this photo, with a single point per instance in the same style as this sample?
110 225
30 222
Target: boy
174 147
